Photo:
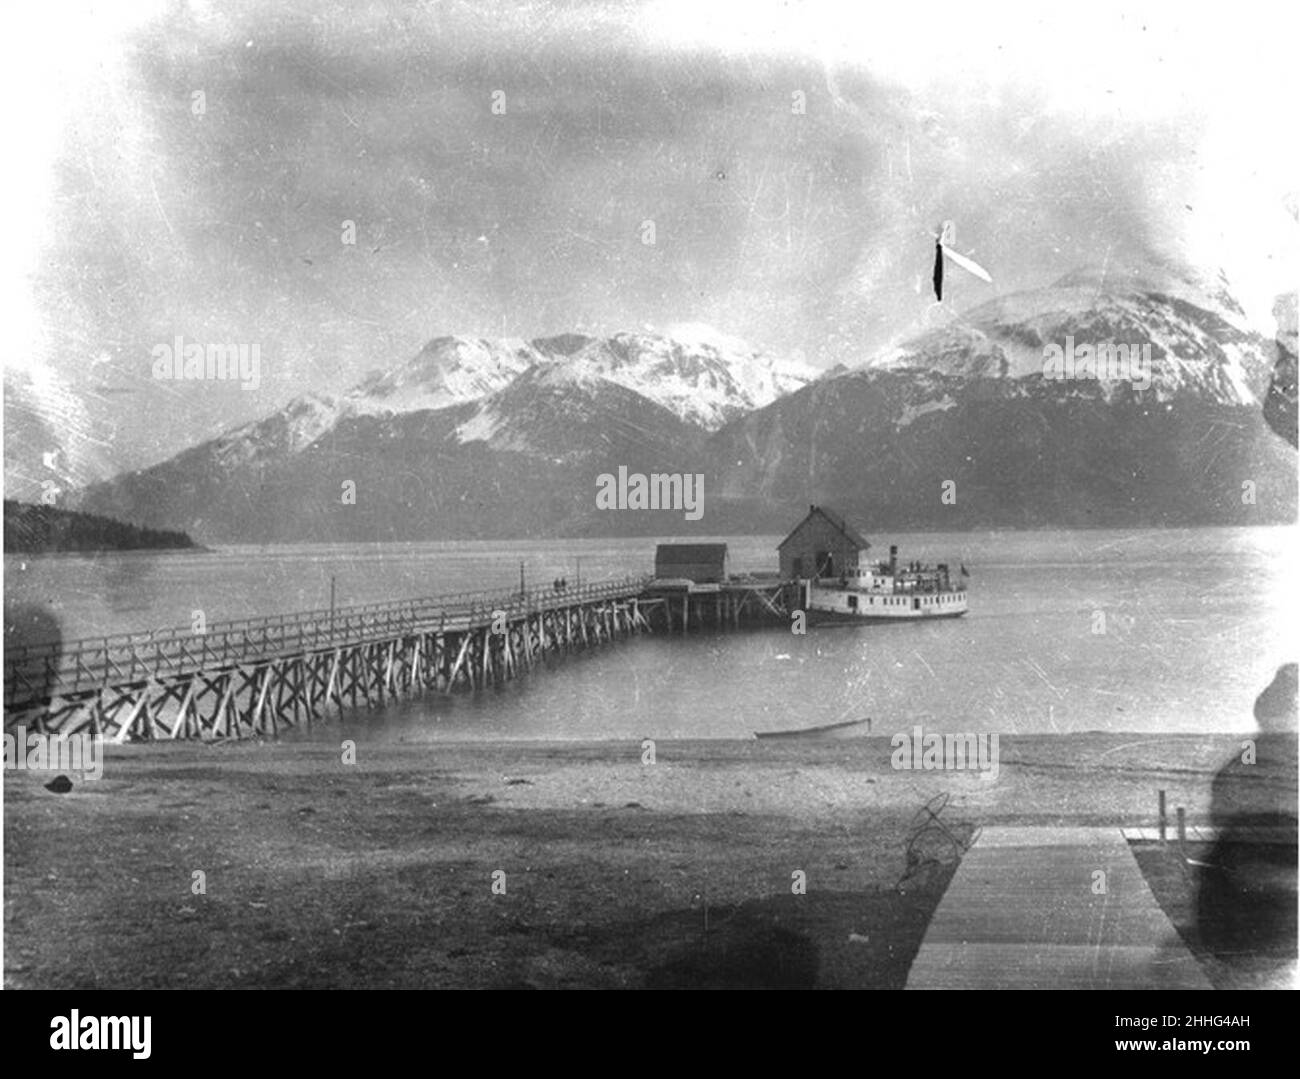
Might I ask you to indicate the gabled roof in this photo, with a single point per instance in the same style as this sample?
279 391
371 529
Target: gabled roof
836 521
690 552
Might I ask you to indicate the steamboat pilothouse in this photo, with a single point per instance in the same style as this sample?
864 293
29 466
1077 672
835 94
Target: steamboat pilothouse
840 584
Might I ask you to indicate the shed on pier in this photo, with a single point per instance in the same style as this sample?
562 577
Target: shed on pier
823 544
702 563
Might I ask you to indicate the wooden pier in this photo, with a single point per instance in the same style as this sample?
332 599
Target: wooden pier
253 677
679 607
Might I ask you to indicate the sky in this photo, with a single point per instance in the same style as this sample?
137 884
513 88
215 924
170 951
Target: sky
190 169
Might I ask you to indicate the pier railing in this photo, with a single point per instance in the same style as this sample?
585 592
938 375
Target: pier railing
34 673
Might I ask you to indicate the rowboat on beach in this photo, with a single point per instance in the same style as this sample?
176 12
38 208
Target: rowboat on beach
828 731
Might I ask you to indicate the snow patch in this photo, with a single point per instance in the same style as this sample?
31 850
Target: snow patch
481 427
914 412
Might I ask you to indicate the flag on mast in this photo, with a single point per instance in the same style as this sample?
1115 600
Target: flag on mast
944 240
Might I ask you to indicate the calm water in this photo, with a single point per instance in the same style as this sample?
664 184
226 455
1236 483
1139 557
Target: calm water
1195 626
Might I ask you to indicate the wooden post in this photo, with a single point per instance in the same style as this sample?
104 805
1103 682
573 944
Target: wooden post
281 678
308 666
124 728
331 688
387 684
460 658
182 725
222 713
1182 827
363 670
256 721
1162 816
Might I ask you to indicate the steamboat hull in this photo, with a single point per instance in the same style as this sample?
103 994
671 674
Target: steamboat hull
850 606
817 617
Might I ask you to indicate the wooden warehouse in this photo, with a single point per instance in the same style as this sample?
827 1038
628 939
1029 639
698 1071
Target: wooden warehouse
823 544
702 563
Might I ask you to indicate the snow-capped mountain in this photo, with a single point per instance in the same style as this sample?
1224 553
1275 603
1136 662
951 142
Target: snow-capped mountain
1197 338
704 383
705 380
969 403
701 376
533 422
288 430
447 371
479 439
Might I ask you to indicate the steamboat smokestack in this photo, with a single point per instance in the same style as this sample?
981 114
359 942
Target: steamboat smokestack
893 561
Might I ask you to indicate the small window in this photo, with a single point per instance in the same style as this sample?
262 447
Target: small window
853 603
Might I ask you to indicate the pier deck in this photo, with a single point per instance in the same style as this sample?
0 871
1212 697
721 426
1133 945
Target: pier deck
255 675
680 606
252 676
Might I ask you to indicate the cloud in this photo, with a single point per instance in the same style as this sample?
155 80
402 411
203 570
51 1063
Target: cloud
1076 138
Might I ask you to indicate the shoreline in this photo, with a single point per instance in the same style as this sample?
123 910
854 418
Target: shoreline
617 873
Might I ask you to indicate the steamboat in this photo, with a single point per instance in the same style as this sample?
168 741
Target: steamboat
830 560
886 592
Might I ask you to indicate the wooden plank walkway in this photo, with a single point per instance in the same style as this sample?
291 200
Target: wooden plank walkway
1022 912
255 676
33 674
1275 836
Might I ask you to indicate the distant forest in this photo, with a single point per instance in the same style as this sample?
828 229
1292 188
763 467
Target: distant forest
37 529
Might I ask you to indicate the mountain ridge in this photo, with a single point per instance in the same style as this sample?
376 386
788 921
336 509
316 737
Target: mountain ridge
533 423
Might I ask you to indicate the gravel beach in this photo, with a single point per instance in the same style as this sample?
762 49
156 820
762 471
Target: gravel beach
538 864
